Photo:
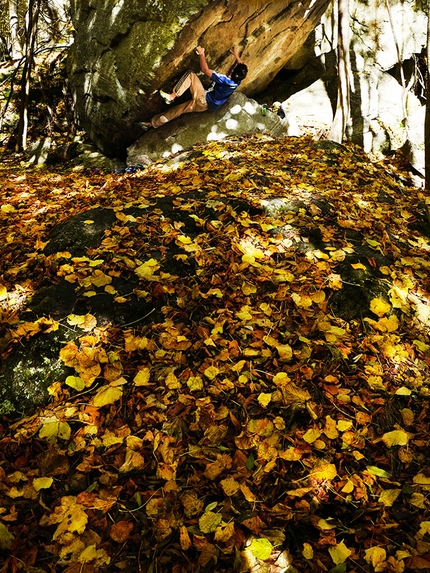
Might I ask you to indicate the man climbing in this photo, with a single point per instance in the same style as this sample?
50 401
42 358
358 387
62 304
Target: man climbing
202 99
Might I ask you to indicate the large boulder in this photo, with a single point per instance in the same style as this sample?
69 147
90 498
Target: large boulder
125 51
387 110
239 116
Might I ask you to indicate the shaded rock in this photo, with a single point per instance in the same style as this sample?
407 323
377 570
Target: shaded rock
76 235
125 52
29 371
239 116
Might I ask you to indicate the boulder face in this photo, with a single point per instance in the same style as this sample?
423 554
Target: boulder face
238 116
124 52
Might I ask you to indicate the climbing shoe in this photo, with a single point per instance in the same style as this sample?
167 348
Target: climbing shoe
145 125
167 97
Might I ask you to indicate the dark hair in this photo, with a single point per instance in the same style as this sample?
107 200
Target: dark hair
239 72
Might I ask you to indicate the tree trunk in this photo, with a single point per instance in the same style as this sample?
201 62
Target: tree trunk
427 116
30 40
15 44
341 117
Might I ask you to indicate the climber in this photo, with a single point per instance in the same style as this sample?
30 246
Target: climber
202 99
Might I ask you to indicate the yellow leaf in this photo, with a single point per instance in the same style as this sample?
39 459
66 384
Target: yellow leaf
358 266
184 239
403 391
422 346
318 297
344 425
3 292
308 552
8 208
395 438
348 487
195 383
339 553
209 521
324 525
142 377
285 352
85 322
407 416
324 470
230 486
264 399
42 483
70 515
374 470
389 496
248 288
75 382
247 493
147 270
107 395
75 319
376 383
53 428
224 533
299 492
418 500
211 372
311 435
89 293
172 382
263 427
99 279
94 555
422 479
261 548
375 556
244 314
301 301
330 429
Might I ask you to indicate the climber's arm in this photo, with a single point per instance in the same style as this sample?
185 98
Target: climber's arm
203 63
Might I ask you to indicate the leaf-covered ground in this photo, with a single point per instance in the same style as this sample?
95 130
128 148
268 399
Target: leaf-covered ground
270 410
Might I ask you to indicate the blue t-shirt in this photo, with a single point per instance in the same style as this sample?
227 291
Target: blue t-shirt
220 92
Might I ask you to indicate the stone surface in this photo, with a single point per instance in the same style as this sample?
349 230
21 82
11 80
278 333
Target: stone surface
124 52
239 116
385 115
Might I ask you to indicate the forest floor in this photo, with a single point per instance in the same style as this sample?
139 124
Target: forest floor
269 411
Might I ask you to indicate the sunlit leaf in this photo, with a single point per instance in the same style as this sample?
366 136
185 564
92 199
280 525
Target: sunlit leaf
211 372
389 496
395 438
209 521
42 483
374 470
379 306
264 399
261 548
93 555
307 552
75 382
375 556
311 435
230 486
195 383
339 553
324 470
52 428
106 395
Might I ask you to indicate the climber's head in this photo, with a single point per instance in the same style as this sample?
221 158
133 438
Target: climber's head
239 73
